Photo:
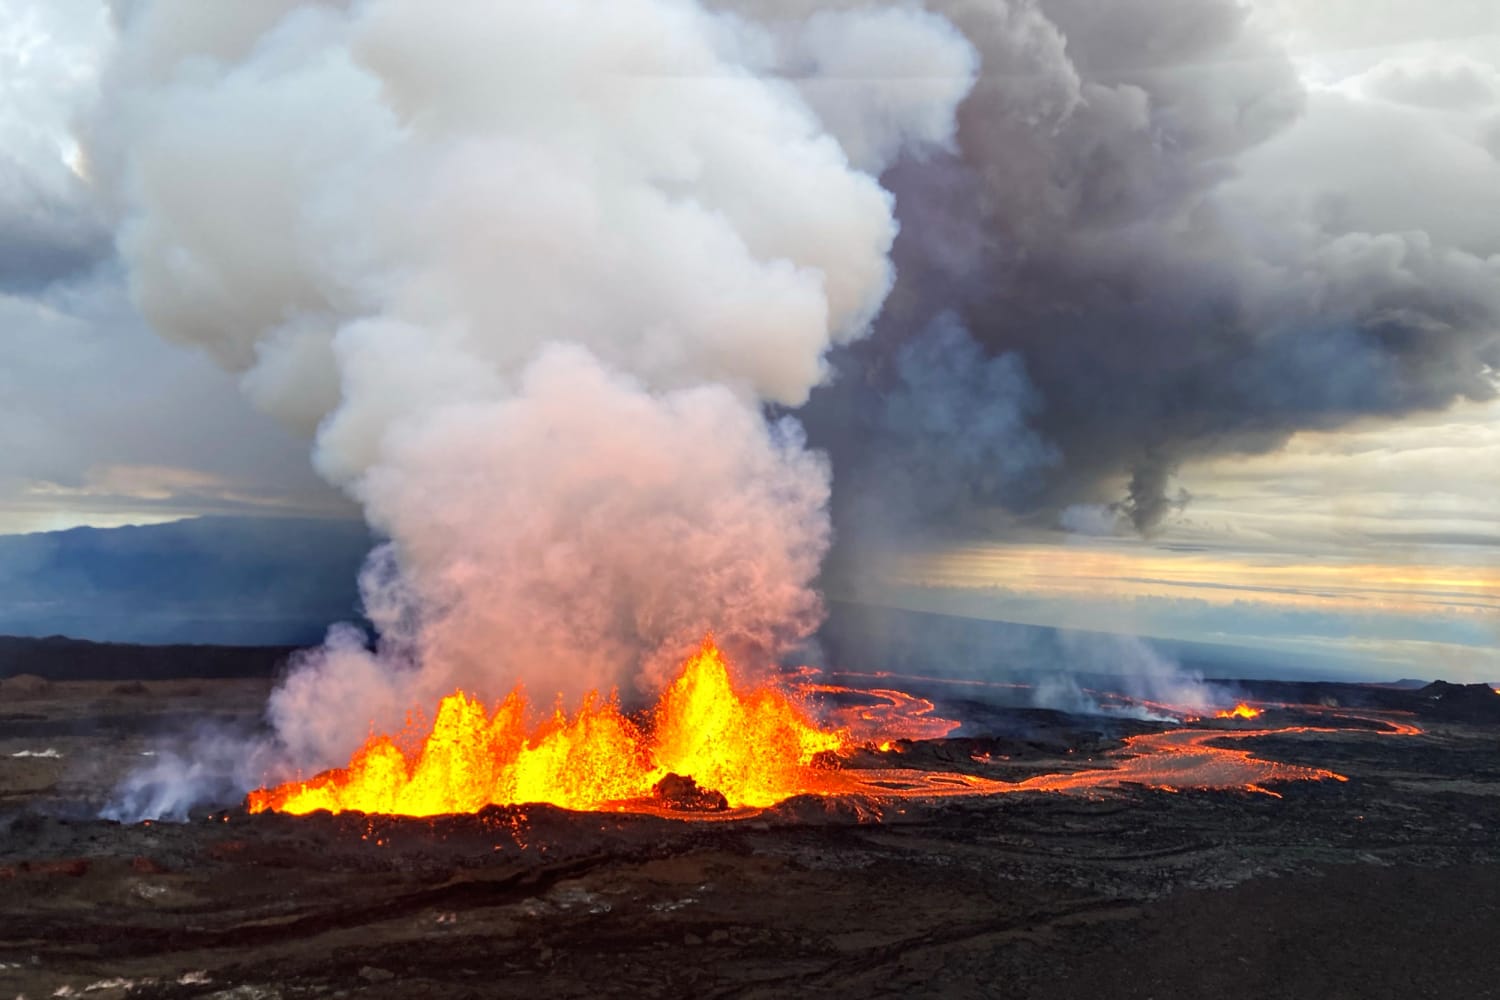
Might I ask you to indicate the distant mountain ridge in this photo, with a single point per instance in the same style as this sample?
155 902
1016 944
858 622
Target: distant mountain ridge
233 581
858 635
55 658
280 582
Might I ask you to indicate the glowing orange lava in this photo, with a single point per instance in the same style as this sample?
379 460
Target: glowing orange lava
878 715
1180 759
755 747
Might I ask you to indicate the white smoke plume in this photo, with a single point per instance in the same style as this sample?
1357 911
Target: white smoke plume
1155 686
529 273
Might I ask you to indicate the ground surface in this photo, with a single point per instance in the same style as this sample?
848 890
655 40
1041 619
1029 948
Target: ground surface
1382 886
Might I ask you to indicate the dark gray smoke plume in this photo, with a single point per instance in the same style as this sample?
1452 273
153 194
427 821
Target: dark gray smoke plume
1177 248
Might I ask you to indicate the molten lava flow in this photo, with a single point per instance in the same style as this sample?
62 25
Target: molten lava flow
754 747
878 715
1185 758
706 738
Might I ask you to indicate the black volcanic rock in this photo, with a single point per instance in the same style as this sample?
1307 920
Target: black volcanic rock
57 659
1462 702
677 791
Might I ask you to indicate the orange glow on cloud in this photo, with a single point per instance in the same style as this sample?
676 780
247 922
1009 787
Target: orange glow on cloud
1217 578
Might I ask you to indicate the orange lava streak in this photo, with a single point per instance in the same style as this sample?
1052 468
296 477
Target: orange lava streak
1182 758
1240 711
755 747
1171 761
884 715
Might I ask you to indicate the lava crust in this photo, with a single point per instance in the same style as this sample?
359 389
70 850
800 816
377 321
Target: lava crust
1114 889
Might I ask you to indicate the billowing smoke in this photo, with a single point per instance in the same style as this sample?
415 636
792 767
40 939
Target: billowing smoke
950 428
1183 247
546 280
530 273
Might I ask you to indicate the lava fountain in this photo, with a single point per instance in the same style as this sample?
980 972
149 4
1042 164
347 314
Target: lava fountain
711 746
756 747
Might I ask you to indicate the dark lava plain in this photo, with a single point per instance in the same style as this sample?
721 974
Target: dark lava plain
1382 886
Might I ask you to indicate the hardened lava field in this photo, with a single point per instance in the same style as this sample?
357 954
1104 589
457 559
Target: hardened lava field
1099 873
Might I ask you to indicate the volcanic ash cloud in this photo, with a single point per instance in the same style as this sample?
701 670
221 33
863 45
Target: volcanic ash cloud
529 274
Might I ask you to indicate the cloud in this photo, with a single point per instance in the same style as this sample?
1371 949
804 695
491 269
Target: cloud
88 398
1259 636
1189 249
47 231
1369 28
882 80
1396 487
101 422
1435 83
50 227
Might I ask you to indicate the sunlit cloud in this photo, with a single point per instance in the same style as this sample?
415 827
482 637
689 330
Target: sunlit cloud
1213 578
1370 550
114 495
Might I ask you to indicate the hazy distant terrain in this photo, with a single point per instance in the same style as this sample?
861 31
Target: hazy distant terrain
59 659
281 581
233 581
867 637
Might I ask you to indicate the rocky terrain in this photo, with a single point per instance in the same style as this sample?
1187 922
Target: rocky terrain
1384 885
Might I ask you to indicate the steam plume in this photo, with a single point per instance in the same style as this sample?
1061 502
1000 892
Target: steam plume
529 274
532 275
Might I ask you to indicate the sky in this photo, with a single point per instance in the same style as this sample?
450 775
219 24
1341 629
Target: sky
104 423
1370 551
1361 534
